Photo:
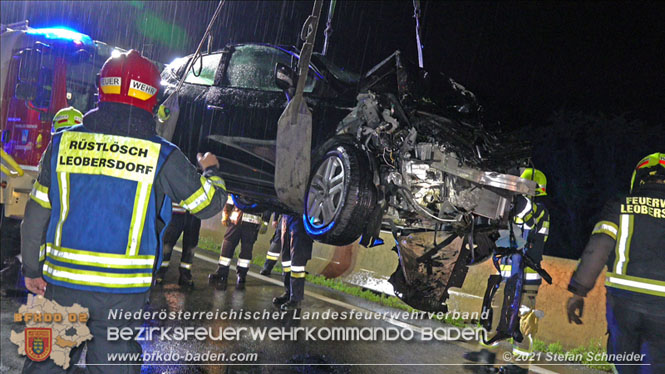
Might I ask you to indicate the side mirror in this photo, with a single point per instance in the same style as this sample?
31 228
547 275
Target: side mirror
30 62
284 77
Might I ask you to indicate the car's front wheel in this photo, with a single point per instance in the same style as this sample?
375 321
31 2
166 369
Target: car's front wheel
340 195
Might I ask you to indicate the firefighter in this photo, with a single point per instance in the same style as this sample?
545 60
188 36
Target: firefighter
66 118
629 238
100 204
275 247
531 225
242 228
182 222
296 248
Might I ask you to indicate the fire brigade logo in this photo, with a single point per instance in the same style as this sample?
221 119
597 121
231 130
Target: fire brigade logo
51 330
38 343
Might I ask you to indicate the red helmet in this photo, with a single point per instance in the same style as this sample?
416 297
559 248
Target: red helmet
129 78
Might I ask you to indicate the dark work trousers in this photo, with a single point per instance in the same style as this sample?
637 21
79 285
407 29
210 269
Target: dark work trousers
296 251
189 226
636 329
275 248
98 304
244 233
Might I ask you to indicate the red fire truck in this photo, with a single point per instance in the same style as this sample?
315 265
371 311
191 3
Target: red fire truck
42 71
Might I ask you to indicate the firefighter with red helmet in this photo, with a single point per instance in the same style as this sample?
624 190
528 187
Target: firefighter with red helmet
99 207
629 239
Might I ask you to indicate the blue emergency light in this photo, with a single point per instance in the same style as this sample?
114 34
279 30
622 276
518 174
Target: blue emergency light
63 34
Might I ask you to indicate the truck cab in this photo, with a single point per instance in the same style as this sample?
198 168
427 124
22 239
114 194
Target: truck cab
42 71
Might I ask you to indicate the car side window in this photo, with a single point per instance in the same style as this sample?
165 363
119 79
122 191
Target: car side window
204 75
252 67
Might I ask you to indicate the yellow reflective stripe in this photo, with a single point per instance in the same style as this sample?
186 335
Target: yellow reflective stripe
185 265
96 278
97 259
298 275
218 182
141 199
42 252
635 284
606 227
505 270
520 352
224 261
540 216
286 269
166 264
110 155
482 344
272 256
527 209
622 249
201 198
39 194
533 211
63 184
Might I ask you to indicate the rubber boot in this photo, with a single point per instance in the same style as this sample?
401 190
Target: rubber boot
242 275
219 278
267 267
483 357
297 295
279 300
185 279
161 273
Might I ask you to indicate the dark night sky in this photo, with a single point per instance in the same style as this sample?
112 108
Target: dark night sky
524 60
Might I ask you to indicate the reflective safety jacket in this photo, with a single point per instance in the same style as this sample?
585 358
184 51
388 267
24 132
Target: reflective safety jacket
636 223
534 220
110 198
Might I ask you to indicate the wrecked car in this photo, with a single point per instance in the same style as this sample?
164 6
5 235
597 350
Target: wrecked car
397 149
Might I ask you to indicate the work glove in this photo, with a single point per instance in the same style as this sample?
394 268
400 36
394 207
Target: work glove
207 160
264 227
575 309
529 323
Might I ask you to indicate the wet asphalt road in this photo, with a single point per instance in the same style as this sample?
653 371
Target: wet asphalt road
299 356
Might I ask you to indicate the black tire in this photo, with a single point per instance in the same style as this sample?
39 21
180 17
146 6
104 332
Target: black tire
352 207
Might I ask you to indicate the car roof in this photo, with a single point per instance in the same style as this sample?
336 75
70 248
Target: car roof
319 62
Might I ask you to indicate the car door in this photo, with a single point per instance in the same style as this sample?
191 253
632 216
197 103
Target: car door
189 133
242 110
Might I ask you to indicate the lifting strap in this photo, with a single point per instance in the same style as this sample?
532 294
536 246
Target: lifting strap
416 15
328 31
168 112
